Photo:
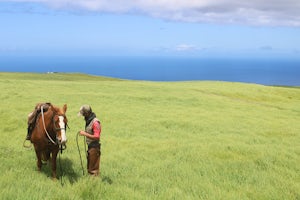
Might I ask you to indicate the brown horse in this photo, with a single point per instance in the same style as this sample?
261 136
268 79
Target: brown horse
49 134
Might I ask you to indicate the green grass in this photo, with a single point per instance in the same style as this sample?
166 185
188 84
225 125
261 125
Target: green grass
160 140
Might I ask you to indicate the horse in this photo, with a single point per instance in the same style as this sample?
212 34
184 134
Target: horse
49 134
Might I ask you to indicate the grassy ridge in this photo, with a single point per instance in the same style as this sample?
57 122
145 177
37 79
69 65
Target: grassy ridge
160 140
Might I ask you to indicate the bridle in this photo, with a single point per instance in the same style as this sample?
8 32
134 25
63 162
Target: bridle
55 127
58 128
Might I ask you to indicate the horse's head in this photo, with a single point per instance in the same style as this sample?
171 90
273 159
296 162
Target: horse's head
60 122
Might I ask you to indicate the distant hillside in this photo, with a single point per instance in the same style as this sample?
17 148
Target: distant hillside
55 76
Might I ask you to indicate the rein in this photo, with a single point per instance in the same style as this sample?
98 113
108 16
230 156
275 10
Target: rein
43 119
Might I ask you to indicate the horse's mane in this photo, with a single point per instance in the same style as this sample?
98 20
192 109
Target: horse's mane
57 110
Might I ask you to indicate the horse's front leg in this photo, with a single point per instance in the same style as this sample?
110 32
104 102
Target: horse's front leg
39 160
53 166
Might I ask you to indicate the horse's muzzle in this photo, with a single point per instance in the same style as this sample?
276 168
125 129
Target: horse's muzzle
61 141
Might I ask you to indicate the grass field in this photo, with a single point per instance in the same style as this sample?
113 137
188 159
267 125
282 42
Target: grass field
160 140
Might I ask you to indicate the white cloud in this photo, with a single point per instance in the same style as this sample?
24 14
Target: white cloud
254 12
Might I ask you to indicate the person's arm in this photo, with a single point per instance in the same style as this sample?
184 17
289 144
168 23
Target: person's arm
96 129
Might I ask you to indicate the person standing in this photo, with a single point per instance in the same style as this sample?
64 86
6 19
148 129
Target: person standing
92 133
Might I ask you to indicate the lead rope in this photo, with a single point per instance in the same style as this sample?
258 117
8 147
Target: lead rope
80 153
61 169
61 176
43 120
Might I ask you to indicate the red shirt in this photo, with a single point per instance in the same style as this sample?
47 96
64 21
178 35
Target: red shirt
97 129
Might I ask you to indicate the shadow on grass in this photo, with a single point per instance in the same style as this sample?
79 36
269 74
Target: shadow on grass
64 170
106 179
66 173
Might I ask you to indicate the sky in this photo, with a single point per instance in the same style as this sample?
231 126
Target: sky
198 28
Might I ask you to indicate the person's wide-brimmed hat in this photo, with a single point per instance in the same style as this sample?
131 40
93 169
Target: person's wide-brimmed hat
85 109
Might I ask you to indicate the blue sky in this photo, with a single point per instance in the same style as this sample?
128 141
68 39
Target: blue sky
200 28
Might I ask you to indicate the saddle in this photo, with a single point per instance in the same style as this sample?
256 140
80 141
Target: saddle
32 117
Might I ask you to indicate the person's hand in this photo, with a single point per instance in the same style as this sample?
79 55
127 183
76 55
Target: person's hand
82 133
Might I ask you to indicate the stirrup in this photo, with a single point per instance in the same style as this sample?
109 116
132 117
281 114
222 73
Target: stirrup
27 146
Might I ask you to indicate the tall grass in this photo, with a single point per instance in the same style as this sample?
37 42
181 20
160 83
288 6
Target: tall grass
160 140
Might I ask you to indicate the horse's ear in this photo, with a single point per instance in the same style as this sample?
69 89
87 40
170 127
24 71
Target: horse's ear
65 108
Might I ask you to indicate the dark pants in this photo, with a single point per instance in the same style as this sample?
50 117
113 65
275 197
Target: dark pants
93 159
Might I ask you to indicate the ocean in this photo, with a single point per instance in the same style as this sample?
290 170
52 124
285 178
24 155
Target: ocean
285 72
